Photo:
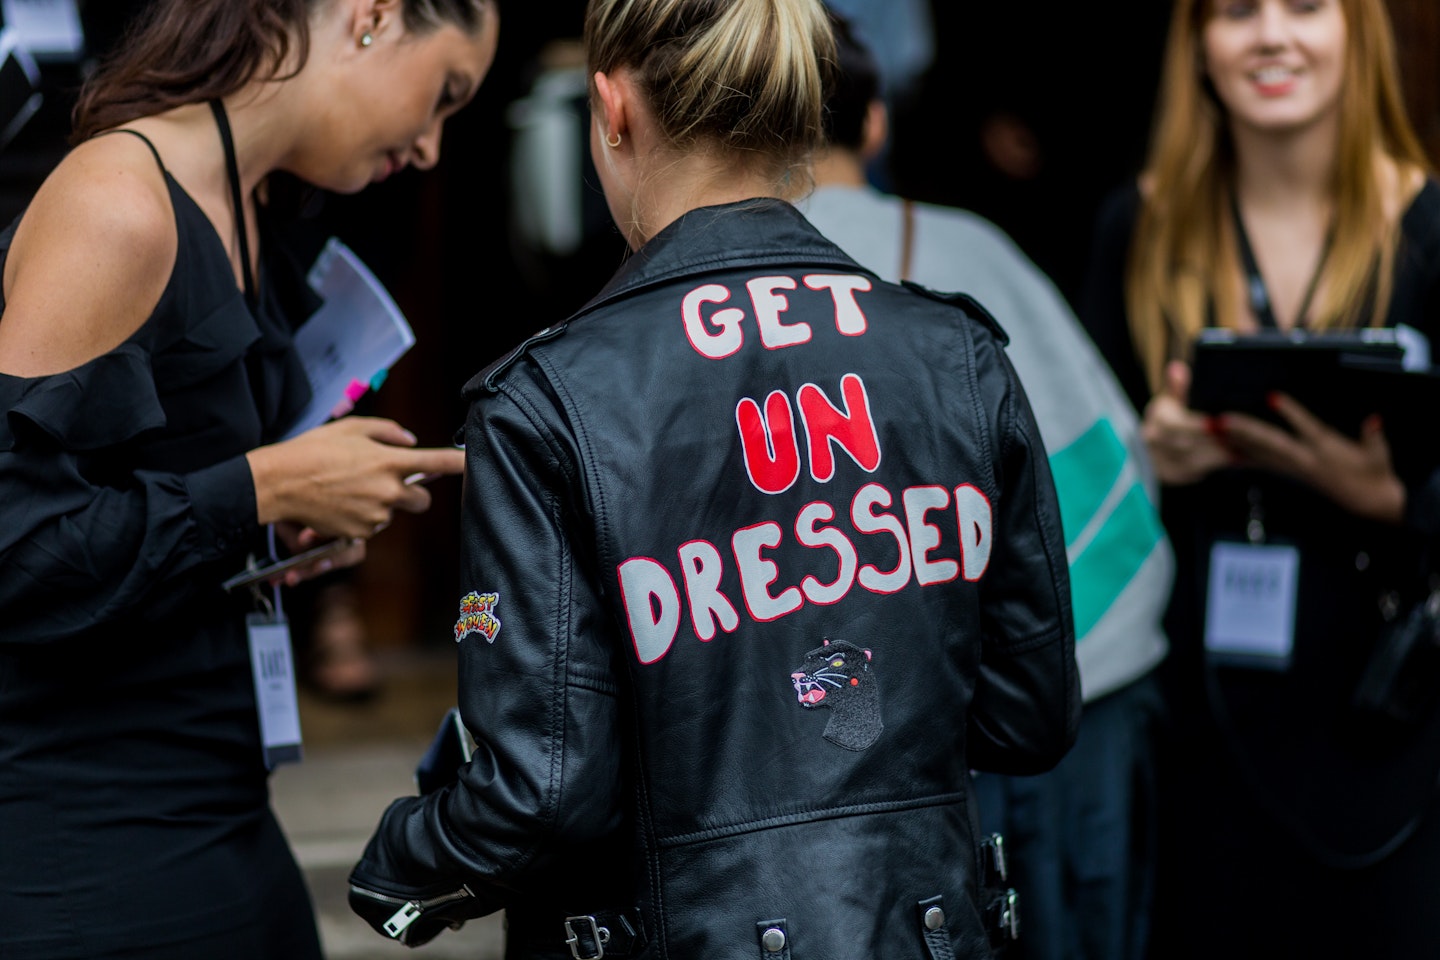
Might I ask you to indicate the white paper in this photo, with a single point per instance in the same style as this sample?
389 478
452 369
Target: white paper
47 28
1250 604
351 340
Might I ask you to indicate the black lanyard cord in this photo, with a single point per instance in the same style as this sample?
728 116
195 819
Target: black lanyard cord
233 170
1255 289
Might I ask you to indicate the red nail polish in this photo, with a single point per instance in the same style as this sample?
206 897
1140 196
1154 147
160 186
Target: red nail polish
1272 400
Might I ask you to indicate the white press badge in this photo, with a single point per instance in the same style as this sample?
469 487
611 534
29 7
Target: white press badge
273 668
1250 603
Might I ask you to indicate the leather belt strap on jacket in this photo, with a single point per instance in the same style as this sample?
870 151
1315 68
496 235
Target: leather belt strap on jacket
597 935
594 936
932 927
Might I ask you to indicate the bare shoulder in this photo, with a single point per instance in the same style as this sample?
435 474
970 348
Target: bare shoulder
89 260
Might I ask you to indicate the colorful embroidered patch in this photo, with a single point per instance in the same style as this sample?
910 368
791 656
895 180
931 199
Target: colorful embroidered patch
837 676
477 615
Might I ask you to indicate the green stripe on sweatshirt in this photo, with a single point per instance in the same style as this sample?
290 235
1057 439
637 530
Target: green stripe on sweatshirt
1085 472
1110 561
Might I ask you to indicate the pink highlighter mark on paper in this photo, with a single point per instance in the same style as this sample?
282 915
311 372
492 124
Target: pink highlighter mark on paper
353 392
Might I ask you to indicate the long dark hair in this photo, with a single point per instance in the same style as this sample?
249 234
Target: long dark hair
189 51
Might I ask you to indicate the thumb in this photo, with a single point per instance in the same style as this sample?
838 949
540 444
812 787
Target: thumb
1177 381
1372 434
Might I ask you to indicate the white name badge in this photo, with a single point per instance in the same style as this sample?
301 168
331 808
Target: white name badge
275 699
1250 604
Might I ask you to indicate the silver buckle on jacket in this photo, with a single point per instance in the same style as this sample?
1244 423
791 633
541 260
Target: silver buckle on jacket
1010 915
598 935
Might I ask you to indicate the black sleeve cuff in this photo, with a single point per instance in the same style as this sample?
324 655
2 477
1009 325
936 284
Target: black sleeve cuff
223 500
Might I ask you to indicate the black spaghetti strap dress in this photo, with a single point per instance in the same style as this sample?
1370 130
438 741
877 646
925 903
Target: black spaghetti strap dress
134 805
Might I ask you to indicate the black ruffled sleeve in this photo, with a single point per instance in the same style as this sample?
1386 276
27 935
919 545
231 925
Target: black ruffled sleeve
86 538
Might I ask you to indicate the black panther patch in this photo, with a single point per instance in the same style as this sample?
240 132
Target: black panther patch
837 676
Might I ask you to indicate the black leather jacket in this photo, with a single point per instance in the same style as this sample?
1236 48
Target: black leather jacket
763 557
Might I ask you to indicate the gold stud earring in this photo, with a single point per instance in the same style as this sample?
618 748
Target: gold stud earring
612 141
366 39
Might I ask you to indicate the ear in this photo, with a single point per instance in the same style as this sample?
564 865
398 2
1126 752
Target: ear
613 92
875 130
375 17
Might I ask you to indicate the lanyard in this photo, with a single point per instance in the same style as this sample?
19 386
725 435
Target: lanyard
907 237
1255 284
233 170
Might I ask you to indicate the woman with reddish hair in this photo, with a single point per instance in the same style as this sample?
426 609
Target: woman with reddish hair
1285 195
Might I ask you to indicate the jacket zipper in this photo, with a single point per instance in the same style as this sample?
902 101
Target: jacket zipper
410 910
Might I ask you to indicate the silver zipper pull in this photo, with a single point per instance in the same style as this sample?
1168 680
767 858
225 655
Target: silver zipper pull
402 918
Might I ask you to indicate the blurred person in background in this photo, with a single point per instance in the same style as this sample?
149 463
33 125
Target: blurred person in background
1080 839
1284 191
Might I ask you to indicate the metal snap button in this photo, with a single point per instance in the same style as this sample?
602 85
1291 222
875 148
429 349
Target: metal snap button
934 918
773 940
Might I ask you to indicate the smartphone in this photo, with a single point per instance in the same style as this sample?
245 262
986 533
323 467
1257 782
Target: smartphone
261 574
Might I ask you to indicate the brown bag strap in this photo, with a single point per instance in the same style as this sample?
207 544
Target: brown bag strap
907 238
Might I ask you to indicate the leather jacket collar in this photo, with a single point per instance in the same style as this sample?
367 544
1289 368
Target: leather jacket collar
762 230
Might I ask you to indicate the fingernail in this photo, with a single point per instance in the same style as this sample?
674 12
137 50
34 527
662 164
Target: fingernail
1215 426
409 436
1272 400
324 566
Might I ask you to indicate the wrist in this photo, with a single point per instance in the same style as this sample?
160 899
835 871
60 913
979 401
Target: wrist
267 482
1393 506
1384 502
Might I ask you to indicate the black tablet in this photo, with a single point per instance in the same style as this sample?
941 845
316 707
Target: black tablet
1340 377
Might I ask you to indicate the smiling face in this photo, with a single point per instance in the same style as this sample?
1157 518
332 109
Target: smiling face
387 109
1276 65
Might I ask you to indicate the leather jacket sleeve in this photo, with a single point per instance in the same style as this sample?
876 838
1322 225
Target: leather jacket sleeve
1026 711
537 687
